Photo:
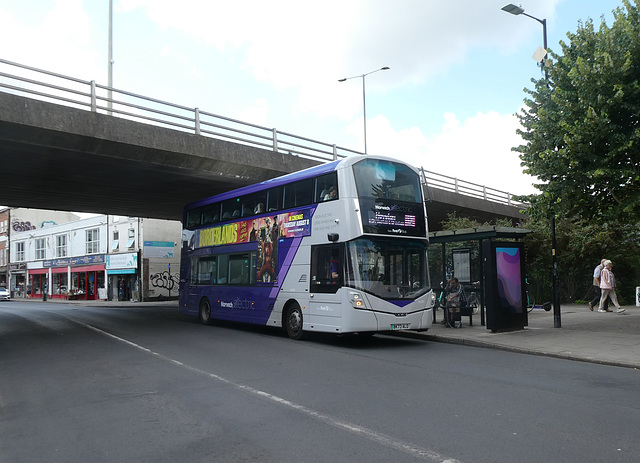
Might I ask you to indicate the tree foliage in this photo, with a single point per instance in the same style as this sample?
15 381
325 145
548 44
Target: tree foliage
581 124
582 245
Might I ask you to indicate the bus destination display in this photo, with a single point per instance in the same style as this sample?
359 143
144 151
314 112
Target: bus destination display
393 218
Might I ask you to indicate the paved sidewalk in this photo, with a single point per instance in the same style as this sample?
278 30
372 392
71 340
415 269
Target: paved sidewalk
605 338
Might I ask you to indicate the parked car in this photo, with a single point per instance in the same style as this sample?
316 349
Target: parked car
5 295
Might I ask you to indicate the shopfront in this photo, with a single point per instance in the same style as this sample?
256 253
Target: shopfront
86 282
17 279
81 278
122 271
38 282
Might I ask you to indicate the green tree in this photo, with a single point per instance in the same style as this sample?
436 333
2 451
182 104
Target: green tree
583 245
581 124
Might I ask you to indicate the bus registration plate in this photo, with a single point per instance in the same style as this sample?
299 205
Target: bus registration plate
400 326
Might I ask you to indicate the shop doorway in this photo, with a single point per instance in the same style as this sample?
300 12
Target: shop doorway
85 284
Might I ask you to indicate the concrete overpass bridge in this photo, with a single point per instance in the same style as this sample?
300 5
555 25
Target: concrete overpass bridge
69 144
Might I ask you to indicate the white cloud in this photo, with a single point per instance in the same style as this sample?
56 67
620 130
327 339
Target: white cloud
286 57
257 113
59 43
476 150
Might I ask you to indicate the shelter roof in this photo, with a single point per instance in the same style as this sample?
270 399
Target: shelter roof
478 233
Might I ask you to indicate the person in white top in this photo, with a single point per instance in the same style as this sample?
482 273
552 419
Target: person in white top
607 285
596 284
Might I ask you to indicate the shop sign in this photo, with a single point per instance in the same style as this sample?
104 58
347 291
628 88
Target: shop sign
72 261
164 249
122 261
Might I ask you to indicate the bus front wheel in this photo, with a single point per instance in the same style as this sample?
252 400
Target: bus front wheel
293 321
205 312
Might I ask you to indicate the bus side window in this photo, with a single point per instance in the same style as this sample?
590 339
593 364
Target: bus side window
206 270
324 184
298 194
326 268
194 218
211 214
229 206
274 199
253 204
223 269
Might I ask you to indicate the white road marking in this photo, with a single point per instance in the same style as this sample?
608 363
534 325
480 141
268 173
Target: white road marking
377 437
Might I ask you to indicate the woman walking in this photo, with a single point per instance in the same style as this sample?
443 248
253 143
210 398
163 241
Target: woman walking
607 285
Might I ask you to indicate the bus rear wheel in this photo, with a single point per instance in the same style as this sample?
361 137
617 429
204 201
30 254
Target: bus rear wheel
293 321
205 312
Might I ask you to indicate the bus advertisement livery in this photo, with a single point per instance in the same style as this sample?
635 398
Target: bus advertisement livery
337 248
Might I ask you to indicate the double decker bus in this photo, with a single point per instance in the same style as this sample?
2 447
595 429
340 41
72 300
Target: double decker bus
336 248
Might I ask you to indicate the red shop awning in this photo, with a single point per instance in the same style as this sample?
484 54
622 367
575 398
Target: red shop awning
38 271
88 268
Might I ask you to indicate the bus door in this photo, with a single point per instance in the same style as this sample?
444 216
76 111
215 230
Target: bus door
327 277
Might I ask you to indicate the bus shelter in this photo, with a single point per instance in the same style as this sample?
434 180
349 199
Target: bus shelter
459 253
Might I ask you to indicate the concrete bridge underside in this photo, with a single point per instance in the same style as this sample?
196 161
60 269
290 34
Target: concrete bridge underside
57 157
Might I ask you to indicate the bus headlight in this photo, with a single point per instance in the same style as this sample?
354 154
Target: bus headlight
357 301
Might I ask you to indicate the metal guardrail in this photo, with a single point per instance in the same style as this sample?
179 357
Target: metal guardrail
88 95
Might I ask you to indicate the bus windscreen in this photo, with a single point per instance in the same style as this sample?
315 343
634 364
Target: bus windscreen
390 198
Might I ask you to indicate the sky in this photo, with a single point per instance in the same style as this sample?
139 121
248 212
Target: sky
458 69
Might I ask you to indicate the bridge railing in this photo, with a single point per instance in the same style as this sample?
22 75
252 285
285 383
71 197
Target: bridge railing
88 95
455 185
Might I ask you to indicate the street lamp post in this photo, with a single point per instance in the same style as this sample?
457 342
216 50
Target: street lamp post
364 100
518 10
110 63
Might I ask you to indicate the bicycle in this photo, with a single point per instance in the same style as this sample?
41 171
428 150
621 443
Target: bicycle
473 302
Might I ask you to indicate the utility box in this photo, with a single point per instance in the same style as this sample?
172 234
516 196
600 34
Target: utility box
505 295
637 296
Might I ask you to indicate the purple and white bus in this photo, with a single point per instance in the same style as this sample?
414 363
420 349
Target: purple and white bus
336 248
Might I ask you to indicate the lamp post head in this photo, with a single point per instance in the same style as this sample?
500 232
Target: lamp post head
513 9
386 68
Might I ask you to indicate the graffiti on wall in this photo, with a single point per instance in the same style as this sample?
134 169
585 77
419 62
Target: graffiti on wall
22 226
164 280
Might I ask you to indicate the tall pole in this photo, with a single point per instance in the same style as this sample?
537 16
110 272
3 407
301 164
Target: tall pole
364 100
110 64
364 114
557 322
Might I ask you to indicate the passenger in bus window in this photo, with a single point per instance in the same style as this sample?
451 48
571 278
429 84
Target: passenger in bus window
332 194
259 209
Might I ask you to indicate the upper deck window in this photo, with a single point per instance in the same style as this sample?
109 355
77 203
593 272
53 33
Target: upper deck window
298 194
390 196
385 179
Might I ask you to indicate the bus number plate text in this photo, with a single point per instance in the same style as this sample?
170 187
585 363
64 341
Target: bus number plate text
400 326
